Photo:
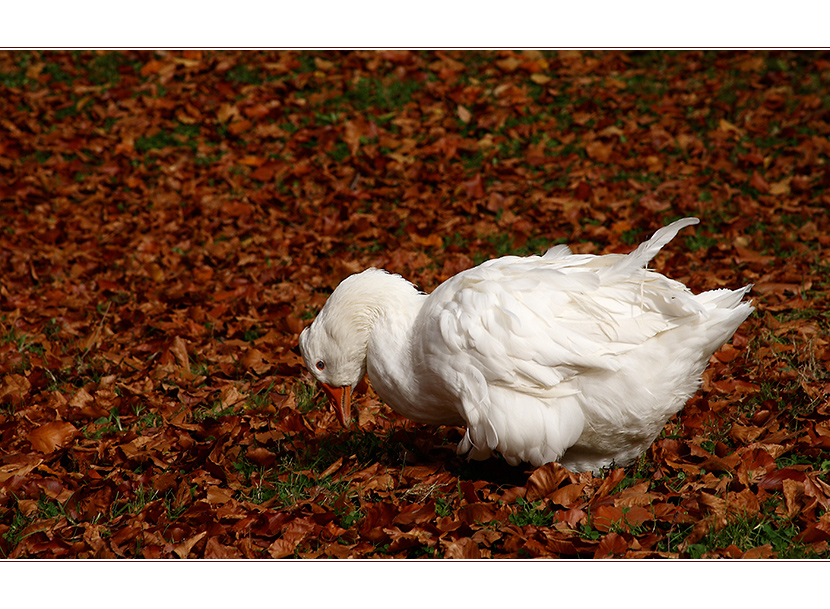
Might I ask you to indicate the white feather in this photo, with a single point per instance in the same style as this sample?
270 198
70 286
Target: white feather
573 358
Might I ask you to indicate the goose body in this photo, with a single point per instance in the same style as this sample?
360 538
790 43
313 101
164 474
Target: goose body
579 359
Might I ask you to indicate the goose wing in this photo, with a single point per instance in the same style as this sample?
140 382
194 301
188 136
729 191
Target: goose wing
509 336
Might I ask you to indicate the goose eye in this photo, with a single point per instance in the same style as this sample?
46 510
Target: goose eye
321 365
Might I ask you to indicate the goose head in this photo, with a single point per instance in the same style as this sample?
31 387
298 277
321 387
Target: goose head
334 346
334 350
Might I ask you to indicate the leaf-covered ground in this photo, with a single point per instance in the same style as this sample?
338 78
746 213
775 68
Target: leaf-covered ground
172 220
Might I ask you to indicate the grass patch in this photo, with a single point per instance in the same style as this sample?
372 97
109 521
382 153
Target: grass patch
377 94
747 532
530 513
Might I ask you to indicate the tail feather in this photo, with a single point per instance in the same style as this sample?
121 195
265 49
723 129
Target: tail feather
726 311
646 251
723 298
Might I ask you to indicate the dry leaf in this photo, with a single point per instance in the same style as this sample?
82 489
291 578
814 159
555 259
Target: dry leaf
51 436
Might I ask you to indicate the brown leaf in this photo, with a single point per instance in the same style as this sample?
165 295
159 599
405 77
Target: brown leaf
216 550
752 64
611 545
15 388
764 551
583 191
545 479
18 469
51 436
151 67
463 114
600 151
332 468
637 515
255 360
464 549
261 456
815 532
179 350
218 496
238 127
475 187
614 477
818 489
758 182
774 480
509 64
793 490
745 434
474 513
295 532
726 126
572 518
183 549
378 516
226 112
606 516
567 495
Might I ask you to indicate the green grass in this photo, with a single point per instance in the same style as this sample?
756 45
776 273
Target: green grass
14 534
373 93
215 411
181 136
243 74
530 513
631 237
262 397
304 397
105 68
698 241
340 152
24 342
747 532
290 482
141 499
104 426
252 333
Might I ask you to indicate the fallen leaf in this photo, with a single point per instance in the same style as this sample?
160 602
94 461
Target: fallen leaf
49 437
464 115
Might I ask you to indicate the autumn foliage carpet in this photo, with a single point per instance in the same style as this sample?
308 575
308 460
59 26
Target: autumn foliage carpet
169 222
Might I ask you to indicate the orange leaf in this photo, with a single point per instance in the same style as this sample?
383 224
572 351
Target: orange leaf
464 114
216 495
151 67
252 160
16 386
567 495
51 436
611 544
226 112
464 548
758 182
544 480
475 187
764 551
510 64
572 517
599 151
239 126
609 484
606 516
183 549
179 349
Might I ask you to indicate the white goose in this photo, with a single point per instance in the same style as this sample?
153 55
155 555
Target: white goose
579 359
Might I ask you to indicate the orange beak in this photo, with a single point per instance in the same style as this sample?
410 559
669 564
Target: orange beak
340 398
